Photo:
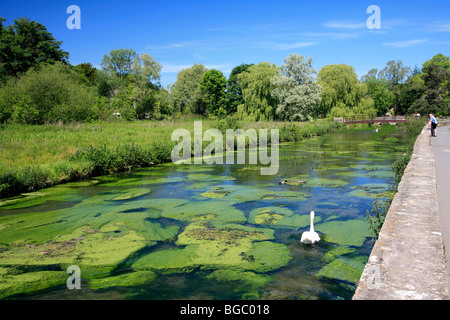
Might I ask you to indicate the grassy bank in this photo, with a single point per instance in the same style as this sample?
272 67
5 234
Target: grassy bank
35 157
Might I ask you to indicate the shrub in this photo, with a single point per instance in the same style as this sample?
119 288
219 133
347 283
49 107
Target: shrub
229 122
51 93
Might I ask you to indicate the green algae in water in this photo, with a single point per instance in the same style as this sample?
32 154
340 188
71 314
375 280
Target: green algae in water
201 185
214 194
219 245
58 193
344 264
279 217
348 270
243 281
205 210
231 229
132 193
12 283
316 182
372 190
236 193
94 251
350 232
208 177
130 279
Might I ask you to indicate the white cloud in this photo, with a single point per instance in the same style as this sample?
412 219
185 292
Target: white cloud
284 46
173 68
439 27
173 45
404 44
332 35
344 24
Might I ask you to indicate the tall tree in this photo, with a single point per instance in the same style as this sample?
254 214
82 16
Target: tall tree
234 95
26 44
88 71
119 62
440 60
343 94
394 72
212 87
436 80
146 68
259 104
185 91
297 92
409 93
378 89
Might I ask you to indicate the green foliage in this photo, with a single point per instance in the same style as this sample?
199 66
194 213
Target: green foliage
294 132
343 94
439 60
394 72
436 87
124 157
376 217
229 122
119 62
408 94
186 92
297 92
413 128
378 90
88 71
259 104
212 88
127 81
24 45
234 90
49 94
146 68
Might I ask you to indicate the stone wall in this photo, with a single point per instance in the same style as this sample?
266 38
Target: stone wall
408 259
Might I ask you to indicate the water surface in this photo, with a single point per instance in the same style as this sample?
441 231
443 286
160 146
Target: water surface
204 231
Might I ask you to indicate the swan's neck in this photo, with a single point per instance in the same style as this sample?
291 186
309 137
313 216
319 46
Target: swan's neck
311 228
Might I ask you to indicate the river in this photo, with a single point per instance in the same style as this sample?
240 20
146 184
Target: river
205 231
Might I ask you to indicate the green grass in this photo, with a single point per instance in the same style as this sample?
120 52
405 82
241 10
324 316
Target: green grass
33 157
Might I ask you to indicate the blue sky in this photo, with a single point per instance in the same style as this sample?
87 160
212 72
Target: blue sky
224 34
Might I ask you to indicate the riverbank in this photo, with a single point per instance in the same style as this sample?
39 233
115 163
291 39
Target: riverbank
36 157
408 259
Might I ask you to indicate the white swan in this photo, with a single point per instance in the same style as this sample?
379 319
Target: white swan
310 237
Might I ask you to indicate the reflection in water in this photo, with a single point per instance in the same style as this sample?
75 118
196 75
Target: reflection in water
205 232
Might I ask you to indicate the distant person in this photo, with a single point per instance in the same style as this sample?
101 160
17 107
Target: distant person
433 125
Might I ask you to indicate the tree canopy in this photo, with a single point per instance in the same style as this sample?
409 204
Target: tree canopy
296 90
186 90
212 88
39 85
259 104
343 94
234 94
26 44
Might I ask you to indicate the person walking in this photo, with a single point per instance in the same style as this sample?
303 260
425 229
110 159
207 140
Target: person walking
433 125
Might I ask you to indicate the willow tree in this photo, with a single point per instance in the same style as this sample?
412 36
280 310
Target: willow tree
259 104
296 90
343 94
